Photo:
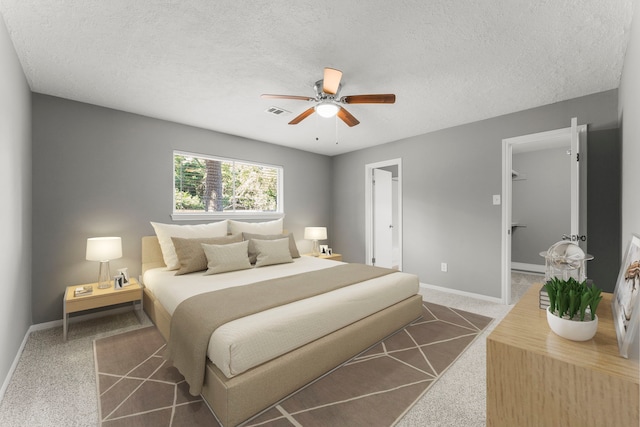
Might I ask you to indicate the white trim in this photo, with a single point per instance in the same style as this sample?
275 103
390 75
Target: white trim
199 216
505 275
14 365
224 215
368 212
507 154
522 266
461 293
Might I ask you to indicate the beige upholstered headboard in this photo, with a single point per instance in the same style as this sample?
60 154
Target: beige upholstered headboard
151 253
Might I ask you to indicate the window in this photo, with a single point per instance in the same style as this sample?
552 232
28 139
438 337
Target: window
206 186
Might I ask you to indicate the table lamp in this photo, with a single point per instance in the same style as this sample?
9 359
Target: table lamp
315 234
104 249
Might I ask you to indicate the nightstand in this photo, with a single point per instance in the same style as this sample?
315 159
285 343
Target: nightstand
100 298
334 257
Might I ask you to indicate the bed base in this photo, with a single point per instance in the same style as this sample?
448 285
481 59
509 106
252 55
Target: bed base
234 400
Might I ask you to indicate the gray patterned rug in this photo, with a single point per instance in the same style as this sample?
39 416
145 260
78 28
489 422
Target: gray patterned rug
375 388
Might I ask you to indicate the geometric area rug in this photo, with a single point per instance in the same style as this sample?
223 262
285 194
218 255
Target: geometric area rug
375 388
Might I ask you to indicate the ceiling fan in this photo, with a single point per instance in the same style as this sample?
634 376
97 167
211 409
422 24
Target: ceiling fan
328 99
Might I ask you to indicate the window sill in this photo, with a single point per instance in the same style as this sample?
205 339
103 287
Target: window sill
225 215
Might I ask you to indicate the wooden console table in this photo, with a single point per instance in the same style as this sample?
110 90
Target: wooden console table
536 378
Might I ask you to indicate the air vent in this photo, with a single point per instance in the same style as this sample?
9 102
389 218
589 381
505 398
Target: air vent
277 111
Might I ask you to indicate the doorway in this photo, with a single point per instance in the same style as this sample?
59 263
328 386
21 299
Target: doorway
383 214
571 174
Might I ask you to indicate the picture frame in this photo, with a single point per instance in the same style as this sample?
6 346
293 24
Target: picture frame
323 249
329 251
118 281
125 275
625 304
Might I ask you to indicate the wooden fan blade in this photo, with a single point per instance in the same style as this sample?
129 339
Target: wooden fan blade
331 80
306 113
301 98
382 98
347 117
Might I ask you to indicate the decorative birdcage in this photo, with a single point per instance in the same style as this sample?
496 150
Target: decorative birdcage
565 259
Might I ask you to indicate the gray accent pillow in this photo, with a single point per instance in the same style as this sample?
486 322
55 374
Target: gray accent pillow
271 252
223 258
191 255
293 248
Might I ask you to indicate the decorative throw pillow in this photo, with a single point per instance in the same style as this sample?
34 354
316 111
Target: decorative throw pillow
166 231
271 252
253 253
267 227
223 258
191 255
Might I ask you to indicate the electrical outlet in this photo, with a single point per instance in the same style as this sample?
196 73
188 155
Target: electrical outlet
444 267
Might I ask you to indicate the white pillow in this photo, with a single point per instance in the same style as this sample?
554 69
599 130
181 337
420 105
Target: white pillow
230 257
166 231
271 252
268 227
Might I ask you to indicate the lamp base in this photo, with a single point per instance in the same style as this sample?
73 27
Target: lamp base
104 276
316 249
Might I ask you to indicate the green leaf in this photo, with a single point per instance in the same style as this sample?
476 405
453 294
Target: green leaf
551 292
595 300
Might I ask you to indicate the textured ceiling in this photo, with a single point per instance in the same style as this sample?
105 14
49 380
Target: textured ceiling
205 63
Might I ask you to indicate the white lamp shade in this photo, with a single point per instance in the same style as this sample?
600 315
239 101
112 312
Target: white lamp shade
327 109
315 233
104 248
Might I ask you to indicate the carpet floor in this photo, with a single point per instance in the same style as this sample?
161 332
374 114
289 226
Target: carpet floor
375 388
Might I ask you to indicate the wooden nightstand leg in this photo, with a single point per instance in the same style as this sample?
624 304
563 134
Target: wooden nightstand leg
65 316
65 320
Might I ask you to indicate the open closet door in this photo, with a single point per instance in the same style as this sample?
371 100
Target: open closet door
382 218
579 184
575 178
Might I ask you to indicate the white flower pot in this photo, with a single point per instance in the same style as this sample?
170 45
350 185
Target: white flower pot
574 330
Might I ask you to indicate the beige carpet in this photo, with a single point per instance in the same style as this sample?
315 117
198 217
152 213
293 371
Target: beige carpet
375 388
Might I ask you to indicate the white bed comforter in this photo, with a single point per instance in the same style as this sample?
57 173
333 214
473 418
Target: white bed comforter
250 341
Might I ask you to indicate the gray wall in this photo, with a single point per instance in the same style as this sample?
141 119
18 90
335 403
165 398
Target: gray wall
541 201
604 206
98 172
15 217
449 177
629 114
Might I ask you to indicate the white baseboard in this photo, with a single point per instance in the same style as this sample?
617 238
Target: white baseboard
49 325
521 266
461 293
14 365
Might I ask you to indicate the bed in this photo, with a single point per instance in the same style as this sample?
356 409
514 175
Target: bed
237 391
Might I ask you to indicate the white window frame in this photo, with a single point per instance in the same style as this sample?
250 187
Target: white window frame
199 216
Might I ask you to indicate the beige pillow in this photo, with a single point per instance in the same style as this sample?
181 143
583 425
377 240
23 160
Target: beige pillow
191 255
271 252
223 258
267 227
253 253
166 231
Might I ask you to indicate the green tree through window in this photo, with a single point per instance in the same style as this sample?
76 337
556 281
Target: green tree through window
204 184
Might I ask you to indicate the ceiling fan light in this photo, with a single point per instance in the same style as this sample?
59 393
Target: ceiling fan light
327 109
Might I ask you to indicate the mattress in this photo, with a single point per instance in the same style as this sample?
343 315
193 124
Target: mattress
250 341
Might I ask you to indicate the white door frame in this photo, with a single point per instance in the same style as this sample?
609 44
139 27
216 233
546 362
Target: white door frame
368 207
507 160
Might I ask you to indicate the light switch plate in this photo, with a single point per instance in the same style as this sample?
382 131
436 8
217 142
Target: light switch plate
496 199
